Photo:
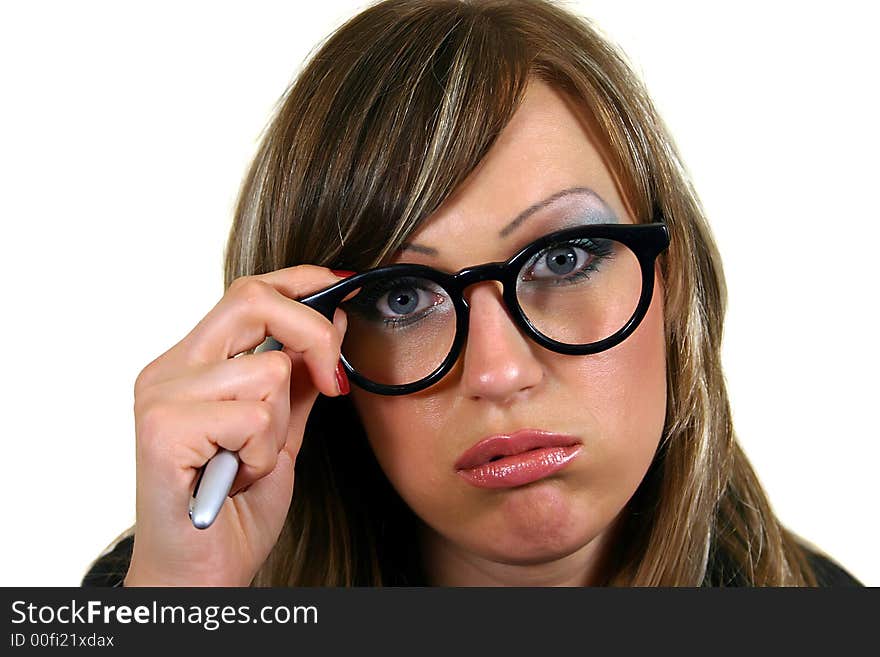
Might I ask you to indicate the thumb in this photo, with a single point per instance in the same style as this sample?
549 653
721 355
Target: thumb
265 503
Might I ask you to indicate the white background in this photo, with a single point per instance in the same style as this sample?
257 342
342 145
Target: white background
125 130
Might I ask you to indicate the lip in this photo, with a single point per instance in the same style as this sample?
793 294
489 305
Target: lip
520 458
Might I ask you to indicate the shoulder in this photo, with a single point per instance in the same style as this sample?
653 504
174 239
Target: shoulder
110 568
723 570
828 572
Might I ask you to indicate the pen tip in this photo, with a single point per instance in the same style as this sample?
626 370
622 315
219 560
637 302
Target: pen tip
202 519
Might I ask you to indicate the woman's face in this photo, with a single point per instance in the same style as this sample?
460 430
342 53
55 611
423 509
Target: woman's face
613 403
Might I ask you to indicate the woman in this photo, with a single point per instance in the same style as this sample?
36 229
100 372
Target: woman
479 442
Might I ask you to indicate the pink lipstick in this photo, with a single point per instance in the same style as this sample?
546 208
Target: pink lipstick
516 459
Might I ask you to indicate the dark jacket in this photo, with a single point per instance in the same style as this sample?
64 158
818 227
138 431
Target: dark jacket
110 569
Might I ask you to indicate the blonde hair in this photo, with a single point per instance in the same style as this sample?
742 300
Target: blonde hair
388 117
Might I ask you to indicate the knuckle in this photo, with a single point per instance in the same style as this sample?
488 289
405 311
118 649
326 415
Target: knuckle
145 377
152 420
328 337
277 365
269 463
236 285
262 417
250 291
264 462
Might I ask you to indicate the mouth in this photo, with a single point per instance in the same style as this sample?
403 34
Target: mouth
516 459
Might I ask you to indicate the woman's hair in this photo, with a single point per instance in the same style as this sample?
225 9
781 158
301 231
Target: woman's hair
394 110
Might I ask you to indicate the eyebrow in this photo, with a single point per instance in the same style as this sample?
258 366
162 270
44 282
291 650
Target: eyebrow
516 221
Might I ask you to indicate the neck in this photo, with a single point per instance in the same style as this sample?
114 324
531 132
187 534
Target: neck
448 564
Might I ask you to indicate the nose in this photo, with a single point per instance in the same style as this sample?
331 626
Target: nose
499 362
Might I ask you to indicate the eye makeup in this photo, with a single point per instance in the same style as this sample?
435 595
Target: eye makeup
576 201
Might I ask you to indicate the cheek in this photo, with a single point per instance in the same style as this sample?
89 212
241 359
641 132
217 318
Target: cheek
625 391
403 433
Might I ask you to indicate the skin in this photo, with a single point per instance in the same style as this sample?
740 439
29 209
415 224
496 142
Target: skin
560 530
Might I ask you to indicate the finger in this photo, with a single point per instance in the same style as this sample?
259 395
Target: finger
264 504
188 434
278 397
302 399
256 310
228 329
302 394
300 280
340 321
250 376
256 377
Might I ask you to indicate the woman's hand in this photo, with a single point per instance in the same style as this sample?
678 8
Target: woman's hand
196 398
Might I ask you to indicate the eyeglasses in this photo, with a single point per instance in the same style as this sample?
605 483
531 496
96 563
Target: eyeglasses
575 291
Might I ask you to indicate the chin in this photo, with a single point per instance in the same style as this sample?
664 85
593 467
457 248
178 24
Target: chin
535 524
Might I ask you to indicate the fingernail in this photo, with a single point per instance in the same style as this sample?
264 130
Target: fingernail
342 273
340 321
341 379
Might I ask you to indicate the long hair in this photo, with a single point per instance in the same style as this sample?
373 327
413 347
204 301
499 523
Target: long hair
385 120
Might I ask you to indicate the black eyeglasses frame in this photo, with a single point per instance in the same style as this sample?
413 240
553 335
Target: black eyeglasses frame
646 241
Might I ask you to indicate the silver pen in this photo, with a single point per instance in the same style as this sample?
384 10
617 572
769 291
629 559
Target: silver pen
217 475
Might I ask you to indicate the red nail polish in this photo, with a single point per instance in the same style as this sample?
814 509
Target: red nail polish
342 273
341 379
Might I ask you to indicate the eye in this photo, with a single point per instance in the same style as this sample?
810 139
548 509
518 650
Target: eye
405 300
558 262
397 299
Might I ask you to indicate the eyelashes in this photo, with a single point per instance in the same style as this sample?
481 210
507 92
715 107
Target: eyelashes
425 294
594 251
402 301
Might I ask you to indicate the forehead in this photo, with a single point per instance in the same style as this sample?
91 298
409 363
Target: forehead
548 146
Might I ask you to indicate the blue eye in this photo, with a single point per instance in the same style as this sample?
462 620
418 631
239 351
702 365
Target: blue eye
404 299
568 262
563 260
398 301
